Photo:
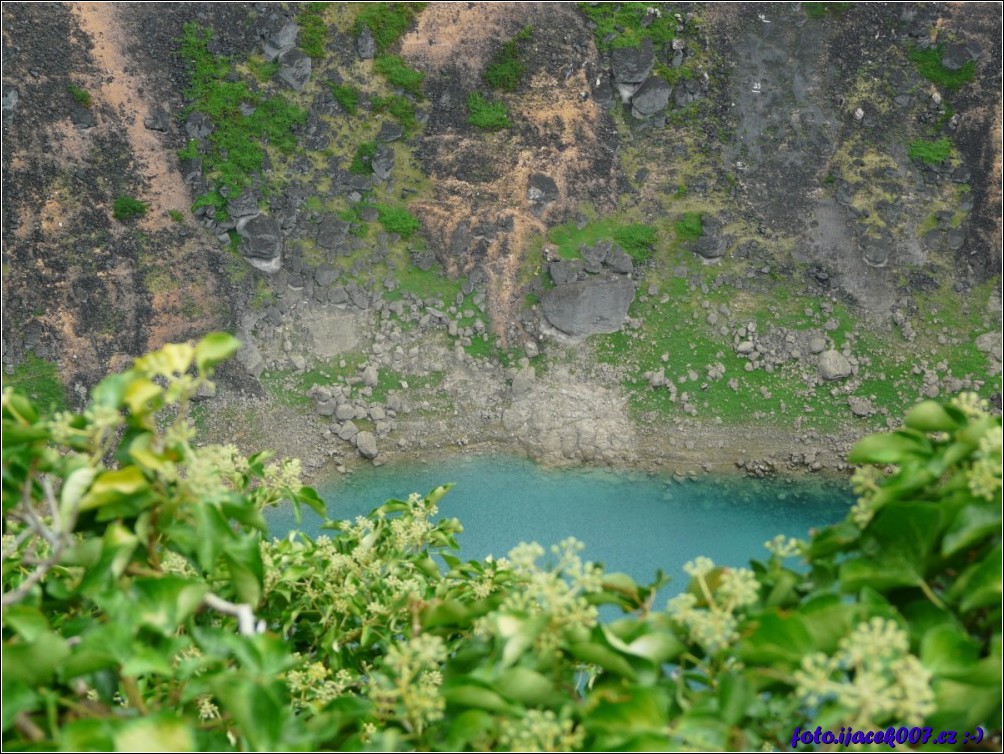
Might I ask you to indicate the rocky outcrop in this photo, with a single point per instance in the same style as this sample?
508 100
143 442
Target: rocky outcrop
261 242
294 69
631 67
586 307
651 98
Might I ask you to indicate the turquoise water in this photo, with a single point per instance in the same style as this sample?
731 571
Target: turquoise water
636 523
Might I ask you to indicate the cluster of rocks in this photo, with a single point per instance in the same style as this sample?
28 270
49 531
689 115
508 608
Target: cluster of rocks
336 402
592 294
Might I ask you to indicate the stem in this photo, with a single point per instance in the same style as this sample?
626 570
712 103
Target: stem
247 624
929 593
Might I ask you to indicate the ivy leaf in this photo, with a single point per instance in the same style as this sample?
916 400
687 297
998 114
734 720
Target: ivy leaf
972 524
114 486
930 416
214 348
889 447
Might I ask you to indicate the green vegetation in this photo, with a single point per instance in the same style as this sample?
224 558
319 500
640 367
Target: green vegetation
82 96
176 215
38 379
636 239
690 226
930 152
386 21
399 74
127 208
313 32
402 108
236 146
397 220
929 65
263 295
293 388
482 113
147 603
345 95
506 68
821 10
675 75
628 24
263 70
362 161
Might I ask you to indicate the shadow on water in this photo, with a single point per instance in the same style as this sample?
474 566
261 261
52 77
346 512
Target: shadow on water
631 522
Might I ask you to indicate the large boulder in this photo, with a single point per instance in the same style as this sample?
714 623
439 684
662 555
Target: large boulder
261 242
651 98
631 66
833 365
294 70
618 260
331 232
366 444
277 33
542 191
596 305
564 272
383 162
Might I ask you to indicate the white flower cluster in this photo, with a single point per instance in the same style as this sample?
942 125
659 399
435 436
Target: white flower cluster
412 680
985 474
714 625
540 730
784 547
872 675
315 685
971 405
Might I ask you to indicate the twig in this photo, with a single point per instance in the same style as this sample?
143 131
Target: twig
247 624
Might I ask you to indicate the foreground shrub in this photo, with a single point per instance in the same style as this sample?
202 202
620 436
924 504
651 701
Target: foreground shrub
144 602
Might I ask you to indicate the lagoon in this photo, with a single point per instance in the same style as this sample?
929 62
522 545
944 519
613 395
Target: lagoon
632 522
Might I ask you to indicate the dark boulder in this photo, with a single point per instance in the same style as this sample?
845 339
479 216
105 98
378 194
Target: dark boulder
598 304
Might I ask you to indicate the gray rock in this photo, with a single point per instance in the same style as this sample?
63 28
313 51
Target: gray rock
543 190
348 431
261 242
294 70
631 66
159 120
817 344
82 117
876 252
957 54
377 413
618 261
523 382
365 44
710 246
191 169
345 411
860 406
594 256
745 348
198 126
245 205
331 232
564 272
9 102
651 98
390 131
990 343
277 33
597 305
602 89
325 408
833 365
371 376
382 162
366 444
325 275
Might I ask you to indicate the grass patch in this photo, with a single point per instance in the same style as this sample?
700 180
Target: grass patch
637 240
400 107
397 220
506 68
386 21
426 283
821 10
293 389
176 215
929 65
263 70
399 74
313 32
236 146
82 96
262 296
689 227
628 24
345 95
362 161
38 379
490 116
930 152
126 208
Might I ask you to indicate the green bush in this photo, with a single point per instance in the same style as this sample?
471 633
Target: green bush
402 108
637 240
397 220
387 21
690 226
506 68
629 24
82 96
143 601
399 74
482 113
929 65
345 95
127 208
362 161
930 152
313 32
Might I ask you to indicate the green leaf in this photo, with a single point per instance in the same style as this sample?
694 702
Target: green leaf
437 494
214 348
113 487
604 657
527 686
17 698
162 732
34 662
26 621
140 392
930 416
446 613
735 696
888 448
777 638
74 487
309 497
243 558
257 710
466 693
164 603
949 652
980 584
882 573
89 734
467 728
972 524
656 646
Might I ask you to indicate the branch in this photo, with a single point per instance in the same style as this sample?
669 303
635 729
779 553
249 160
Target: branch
246 621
